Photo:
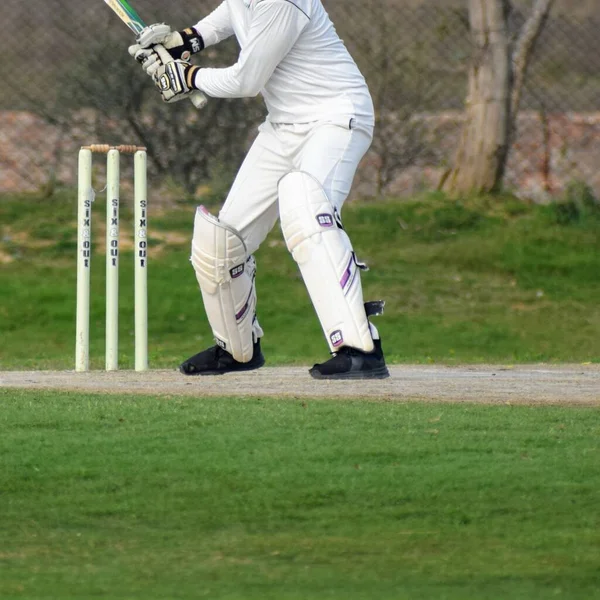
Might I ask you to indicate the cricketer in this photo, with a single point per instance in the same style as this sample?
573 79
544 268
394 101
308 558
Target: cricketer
299 170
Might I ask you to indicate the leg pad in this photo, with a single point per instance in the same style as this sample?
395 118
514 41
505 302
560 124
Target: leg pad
314 235
226 274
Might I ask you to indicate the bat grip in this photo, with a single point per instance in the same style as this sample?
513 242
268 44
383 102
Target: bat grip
197 98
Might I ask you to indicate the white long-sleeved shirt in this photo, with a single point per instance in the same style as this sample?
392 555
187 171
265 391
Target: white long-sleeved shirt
292 54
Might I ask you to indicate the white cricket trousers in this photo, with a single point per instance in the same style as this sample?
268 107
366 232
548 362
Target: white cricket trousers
327 151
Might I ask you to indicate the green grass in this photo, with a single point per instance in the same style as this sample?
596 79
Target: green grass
480 280
133 497
144 497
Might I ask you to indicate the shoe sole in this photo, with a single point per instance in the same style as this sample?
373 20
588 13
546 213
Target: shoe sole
381 373
223 372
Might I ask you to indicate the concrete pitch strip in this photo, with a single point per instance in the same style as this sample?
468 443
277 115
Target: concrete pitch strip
575 385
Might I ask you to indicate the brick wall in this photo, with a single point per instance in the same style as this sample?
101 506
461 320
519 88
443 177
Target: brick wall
549 151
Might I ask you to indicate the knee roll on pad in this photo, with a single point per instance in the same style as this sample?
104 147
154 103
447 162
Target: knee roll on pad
313 234
225 274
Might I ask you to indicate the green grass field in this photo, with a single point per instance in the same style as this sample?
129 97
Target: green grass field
145 498
490 279
130 497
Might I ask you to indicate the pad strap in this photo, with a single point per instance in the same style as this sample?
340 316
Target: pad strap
374 308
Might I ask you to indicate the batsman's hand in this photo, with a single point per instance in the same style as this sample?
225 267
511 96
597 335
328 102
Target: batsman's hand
180 44
175 80
147 57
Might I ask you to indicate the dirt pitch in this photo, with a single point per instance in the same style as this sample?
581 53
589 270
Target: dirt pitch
532 384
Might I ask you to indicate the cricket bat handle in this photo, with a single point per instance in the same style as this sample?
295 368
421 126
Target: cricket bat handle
198 99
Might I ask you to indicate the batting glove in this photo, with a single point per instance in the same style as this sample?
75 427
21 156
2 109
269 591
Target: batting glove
175 80
180 45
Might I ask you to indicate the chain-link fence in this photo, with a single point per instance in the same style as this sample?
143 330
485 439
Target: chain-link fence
67 80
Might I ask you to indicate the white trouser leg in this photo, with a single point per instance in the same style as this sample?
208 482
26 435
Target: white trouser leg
330 154
249 213
251 205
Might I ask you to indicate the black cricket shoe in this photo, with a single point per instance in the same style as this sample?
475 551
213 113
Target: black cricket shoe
350 363
216 361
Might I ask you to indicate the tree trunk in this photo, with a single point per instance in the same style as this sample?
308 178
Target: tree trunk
481 156
531 31
496 81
